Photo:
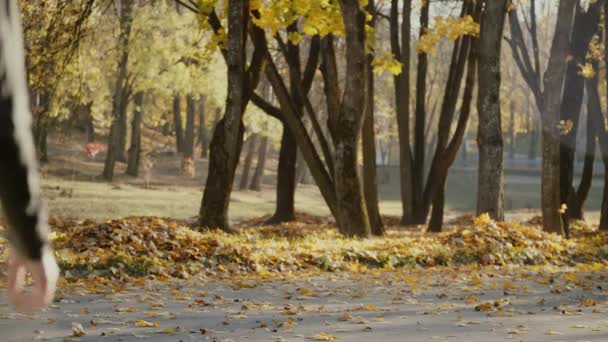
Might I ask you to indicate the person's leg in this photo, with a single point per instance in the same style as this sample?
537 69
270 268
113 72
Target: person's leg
19 188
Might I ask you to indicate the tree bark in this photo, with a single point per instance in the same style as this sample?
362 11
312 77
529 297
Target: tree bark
122 131
188 147
286 180
228 137
577 198
599 121
553 82
177 123
258 176
419 215
585 26
446 148
88 122
202 129
135 149
121 93
401 50
253 141
352 211
512 130
490 193
370 178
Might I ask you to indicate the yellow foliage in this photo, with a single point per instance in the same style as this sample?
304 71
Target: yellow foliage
451 28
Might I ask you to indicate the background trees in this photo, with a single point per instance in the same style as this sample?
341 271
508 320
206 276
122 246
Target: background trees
339 86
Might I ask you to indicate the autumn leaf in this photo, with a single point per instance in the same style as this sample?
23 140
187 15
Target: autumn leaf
146 324
323 337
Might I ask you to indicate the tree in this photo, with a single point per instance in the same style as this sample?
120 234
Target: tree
553 82
547 98
401 51
252 142
585 26
189 137
370 182
177 122
227 139
202 128
258 175
490 191
352 210
121 91
136 125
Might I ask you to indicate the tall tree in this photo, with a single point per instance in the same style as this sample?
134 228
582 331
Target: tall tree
177 123
252 142
352 210
135 148
370 181
188 147
121 93
490 192
553 84
400 26
202 128
227 139
547 93
258 175
585 26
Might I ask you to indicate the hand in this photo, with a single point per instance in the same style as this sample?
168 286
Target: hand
44 274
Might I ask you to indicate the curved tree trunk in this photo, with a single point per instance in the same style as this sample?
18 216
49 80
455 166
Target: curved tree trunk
258 176
135 149
228 137
579 196
585 26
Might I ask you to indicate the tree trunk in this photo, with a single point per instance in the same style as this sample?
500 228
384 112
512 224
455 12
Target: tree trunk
122 131
286 180
120 96
419 215
135 149
512 130
490 192
41 126
89 126
188 147
578 197
352 211
202 129
370 178
228 137
177 123
258 176
446 149
599 122
553 82
401 50
585 26
253 141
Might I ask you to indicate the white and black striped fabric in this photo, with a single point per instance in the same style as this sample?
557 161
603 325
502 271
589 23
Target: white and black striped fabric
19 187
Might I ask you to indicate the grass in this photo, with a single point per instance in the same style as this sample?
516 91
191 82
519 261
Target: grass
103 201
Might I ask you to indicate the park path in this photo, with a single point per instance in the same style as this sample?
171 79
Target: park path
432 304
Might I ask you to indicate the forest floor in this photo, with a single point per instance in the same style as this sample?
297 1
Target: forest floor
154 279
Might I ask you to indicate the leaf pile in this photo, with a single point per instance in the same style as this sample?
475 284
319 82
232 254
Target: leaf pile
141 246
